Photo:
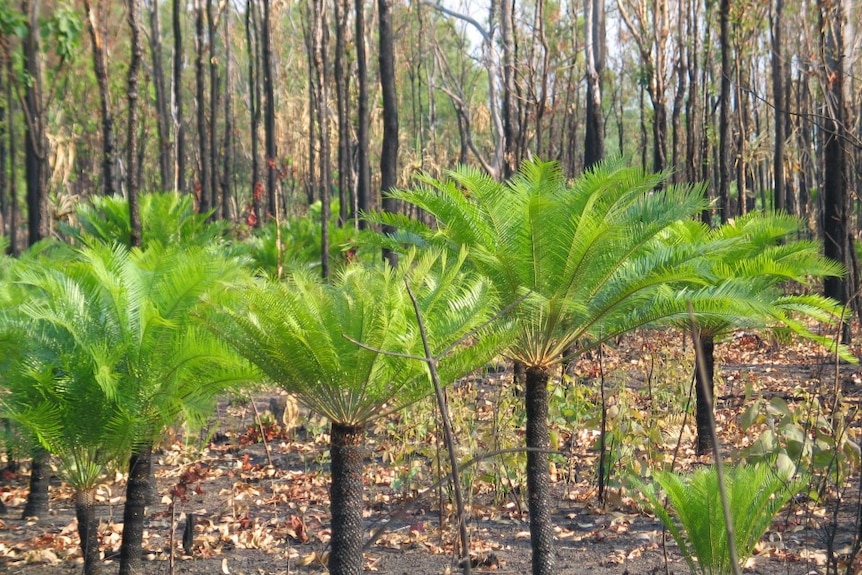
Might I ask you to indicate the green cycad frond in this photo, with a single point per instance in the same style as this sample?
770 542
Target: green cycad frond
297 333
166 217
755 495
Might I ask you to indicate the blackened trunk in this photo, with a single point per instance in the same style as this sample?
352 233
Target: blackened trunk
538 476
836 206
40 477
228 146
205 185
137 489
162 116
345 447
180 178
363 167
594 139
269 110
88 531
342 97
778 93
132 136
215 204
95 26
13 168
253 49
724 133
705 391
389 153
35 139
319 51
510 95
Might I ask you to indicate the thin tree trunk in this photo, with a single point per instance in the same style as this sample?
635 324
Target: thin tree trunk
180 174
228 147
40 478
594 139
204 194
134 16
13 168
703 416
5 117
88 530
778 93
724 134
214 109
346 445
253 49
389 152
363 167
95 26
134 511
510 116
162 116
269 110
538 475
319 50
35 139
342 96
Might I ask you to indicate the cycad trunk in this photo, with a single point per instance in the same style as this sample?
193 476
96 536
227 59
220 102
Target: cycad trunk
538 477
137 489
345 447
88 531
705 390
40 476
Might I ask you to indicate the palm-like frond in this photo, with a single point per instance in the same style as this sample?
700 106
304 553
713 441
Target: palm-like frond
114 354
755 495
299 333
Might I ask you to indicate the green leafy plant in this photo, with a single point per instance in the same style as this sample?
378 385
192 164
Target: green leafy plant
755 493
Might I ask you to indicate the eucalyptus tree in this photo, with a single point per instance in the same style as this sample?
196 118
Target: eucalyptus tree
585 256
123 345
304 334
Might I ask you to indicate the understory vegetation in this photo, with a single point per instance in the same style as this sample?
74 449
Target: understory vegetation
540 343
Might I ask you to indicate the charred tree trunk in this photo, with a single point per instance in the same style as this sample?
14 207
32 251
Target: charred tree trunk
40 477
228 146
342 97
13 168
594 139
345 447
389 152
510 89
134 511
5 116
162 116
180 170
705 391
780 111
212 17
363 166
35 139
204 194
319 50
538 476
133 185
724 134
253 49
95 26
836 206
269 110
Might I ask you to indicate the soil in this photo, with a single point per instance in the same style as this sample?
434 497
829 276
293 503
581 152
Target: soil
262 507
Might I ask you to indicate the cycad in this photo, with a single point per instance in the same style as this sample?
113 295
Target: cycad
746 266
122 320
755 495
168 218
297 333
587 258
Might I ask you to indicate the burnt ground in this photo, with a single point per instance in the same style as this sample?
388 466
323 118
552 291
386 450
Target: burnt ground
262 507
